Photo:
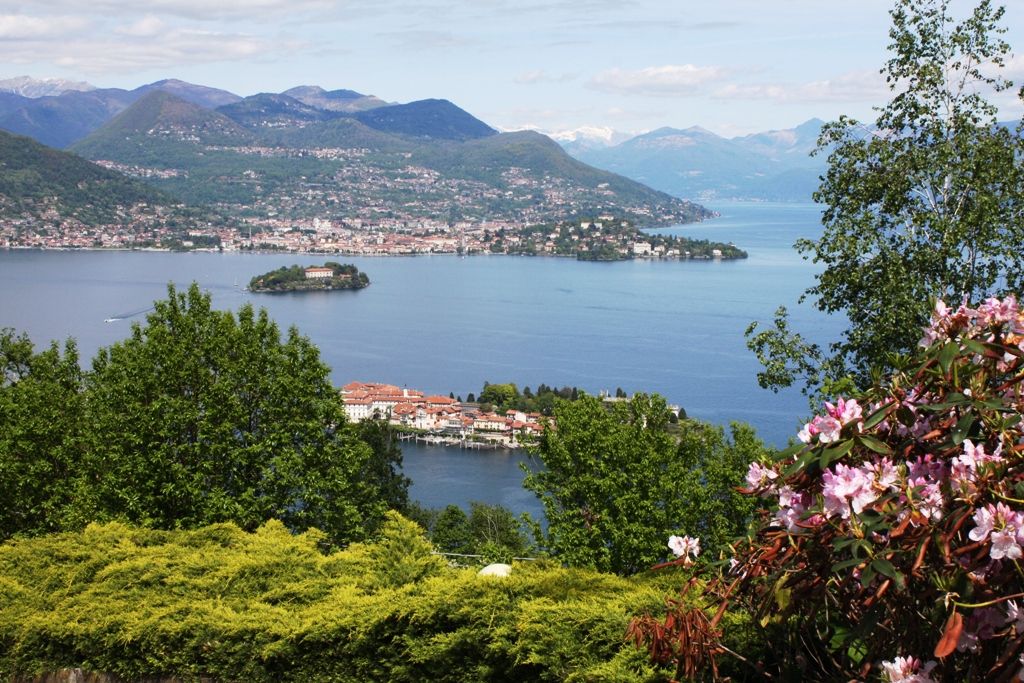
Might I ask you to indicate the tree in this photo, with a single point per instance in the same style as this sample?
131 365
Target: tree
615 484
383 470
451 532
924 205
500 395
40 409
201 416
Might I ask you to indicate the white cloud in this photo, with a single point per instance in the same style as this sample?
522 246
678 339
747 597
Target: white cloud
129 52
854 86
147 26
25 27
672 80
542 76
252 10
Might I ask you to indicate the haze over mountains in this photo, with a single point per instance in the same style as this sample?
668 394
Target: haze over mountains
696 163
691 164
339 155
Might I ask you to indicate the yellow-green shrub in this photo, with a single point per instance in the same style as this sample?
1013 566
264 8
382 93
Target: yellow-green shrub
270 606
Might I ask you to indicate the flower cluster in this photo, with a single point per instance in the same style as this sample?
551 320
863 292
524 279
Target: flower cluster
827 428
684 547
908 670
911 494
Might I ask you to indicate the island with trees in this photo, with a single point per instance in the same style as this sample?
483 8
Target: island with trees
330 276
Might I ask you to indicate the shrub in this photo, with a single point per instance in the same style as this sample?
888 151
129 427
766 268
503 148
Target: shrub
897 535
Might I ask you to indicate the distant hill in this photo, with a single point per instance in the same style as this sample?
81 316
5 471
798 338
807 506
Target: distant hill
36 87
270 110
58 121
201 95
273 155
433 119
348 101
36 180
696 163
61 120
155 129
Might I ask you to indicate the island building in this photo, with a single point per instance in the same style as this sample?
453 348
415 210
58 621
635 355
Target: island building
440 415
319 273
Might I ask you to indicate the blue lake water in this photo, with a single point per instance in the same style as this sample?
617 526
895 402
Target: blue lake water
444 324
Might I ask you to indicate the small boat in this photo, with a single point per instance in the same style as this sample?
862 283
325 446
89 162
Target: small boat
110 320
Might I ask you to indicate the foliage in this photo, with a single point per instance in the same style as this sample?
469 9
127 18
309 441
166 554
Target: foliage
40 412
616 483
502 397
201 416
34 177
293 278
499 395
491 531
925 204
224 604
898 530
383 470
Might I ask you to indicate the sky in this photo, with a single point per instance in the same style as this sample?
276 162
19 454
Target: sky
731 66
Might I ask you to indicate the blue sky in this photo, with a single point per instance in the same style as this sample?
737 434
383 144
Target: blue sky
732 66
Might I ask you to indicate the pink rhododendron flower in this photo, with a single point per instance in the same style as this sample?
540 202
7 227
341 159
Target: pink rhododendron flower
845 411
759 476
984 521
847 488
993 311
684 546
807 433
828 428
885 473
908 670
1003 526
1015 616
792 506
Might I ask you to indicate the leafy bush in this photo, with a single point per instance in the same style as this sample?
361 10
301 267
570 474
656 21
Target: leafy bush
898 530
271 606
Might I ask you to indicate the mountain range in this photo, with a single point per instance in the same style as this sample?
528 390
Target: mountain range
698 164
308 152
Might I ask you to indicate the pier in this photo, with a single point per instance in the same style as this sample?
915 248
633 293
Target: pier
447 440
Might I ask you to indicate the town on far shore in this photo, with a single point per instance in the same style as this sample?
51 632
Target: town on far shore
604 237
439 419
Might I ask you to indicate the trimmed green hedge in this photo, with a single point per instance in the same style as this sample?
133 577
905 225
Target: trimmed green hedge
270 606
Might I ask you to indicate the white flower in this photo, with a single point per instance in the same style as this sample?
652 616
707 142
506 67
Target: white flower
684 546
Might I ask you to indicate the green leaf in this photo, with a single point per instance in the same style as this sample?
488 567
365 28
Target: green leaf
884 567
846 564
875 418
947 355
833 453
962 428
874 444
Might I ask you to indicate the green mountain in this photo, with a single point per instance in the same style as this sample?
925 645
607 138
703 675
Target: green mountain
334 100
162 131
270 110
429 119
275 156
37 183
61 120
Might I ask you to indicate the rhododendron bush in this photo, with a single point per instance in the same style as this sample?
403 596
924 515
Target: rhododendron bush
891 544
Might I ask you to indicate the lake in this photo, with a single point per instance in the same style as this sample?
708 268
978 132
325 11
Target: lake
446 324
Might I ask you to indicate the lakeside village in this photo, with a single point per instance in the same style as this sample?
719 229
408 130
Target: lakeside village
439 419
604 238
449 421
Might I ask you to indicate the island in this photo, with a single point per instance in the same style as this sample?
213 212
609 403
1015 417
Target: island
330 276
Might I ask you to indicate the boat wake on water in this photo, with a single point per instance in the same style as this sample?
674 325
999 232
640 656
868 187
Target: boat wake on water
126 316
